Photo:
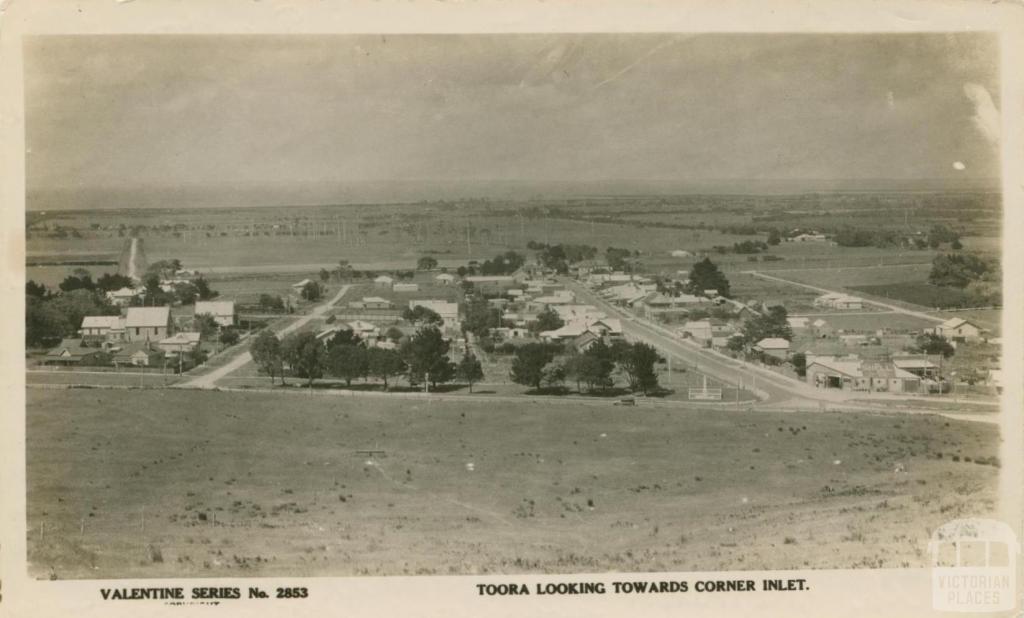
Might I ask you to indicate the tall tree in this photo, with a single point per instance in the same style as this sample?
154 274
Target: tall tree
384 364
426 263
547 320
347 362
426 354
266 353
528 366
596 366
305 355
771 323
704 275
638 365
469 370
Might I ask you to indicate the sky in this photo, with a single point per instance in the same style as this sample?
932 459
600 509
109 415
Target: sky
292 111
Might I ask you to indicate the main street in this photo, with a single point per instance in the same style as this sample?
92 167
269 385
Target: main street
769 386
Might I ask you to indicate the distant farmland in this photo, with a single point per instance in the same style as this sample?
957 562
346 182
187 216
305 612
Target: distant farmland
923 294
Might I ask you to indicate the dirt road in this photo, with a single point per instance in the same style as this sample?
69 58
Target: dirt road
209 380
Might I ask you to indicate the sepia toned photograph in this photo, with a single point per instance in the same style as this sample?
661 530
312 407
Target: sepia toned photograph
480 304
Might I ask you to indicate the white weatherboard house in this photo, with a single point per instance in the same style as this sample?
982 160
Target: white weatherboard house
108 327
223 311
448 311
445 279
179 343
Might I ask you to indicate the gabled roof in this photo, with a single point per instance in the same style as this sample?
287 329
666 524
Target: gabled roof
957 323
362 326
215 307
301 284
72 349
182 338
383 279
101 321
375 299
773 343
147 316
445 277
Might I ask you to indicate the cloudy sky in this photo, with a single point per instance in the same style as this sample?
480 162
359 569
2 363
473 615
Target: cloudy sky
139 111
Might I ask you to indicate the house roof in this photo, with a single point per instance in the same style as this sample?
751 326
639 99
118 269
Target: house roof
128 350
914 363
846 366
362 326
957 323
71 348
375 299
301 283
445 277
147 316
101 321
182 338
773 343
215 307
124 292
383 279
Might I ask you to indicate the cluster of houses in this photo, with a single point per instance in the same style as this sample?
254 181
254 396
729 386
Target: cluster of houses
139 336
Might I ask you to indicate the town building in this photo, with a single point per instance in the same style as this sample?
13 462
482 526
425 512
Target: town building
851 373
959 330
223 311
148 323
776 347
71 352
448 311
370 302
102 328
179 343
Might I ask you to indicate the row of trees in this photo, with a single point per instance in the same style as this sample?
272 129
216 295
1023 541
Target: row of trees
539 365
421 358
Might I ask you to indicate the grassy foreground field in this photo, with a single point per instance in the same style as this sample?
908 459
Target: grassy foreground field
153 483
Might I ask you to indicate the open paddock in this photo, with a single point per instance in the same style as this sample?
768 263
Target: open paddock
218 484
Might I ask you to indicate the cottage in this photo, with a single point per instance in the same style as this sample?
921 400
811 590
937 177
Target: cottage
448 311
223 311
137 354
445 279
919 365
773 346
180 343
370 302
297 287
124 296
959 330
384 281
102 328
363 329
148 323
71 352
